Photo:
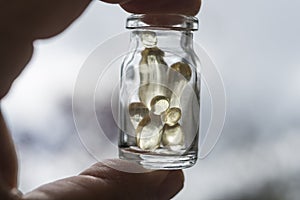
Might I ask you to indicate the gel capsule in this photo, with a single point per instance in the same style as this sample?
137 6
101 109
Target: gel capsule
171 116
149 39
159 104
153 72
179 75
149 133
172 136
152 67
151 94
183 68
137 112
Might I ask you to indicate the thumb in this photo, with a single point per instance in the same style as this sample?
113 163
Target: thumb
103 182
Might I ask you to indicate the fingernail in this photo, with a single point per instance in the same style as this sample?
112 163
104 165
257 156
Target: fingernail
172 184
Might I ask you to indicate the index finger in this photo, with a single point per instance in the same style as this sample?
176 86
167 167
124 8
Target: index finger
186 7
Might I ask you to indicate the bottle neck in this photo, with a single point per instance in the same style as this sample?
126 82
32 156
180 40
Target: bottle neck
166 39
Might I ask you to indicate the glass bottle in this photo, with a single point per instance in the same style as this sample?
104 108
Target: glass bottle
160 92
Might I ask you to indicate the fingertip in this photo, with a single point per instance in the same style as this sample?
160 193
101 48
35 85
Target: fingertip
190 7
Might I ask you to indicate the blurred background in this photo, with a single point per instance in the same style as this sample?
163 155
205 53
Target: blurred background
256 46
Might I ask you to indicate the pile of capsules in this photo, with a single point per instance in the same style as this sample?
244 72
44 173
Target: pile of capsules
156 117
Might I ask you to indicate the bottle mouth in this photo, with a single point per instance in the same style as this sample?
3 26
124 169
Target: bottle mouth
162 21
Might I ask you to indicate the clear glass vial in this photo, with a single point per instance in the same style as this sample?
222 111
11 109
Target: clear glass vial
160 93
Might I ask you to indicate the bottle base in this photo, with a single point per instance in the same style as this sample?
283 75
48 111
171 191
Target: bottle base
158 161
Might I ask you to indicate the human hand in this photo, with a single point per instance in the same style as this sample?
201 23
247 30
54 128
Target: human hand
103 182
22 22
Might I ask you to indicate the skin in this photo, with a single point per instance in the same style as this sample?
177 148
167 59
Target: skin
22 22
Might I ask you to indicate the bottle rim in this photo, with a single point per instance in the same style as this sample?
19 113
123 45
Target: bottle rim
162 21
